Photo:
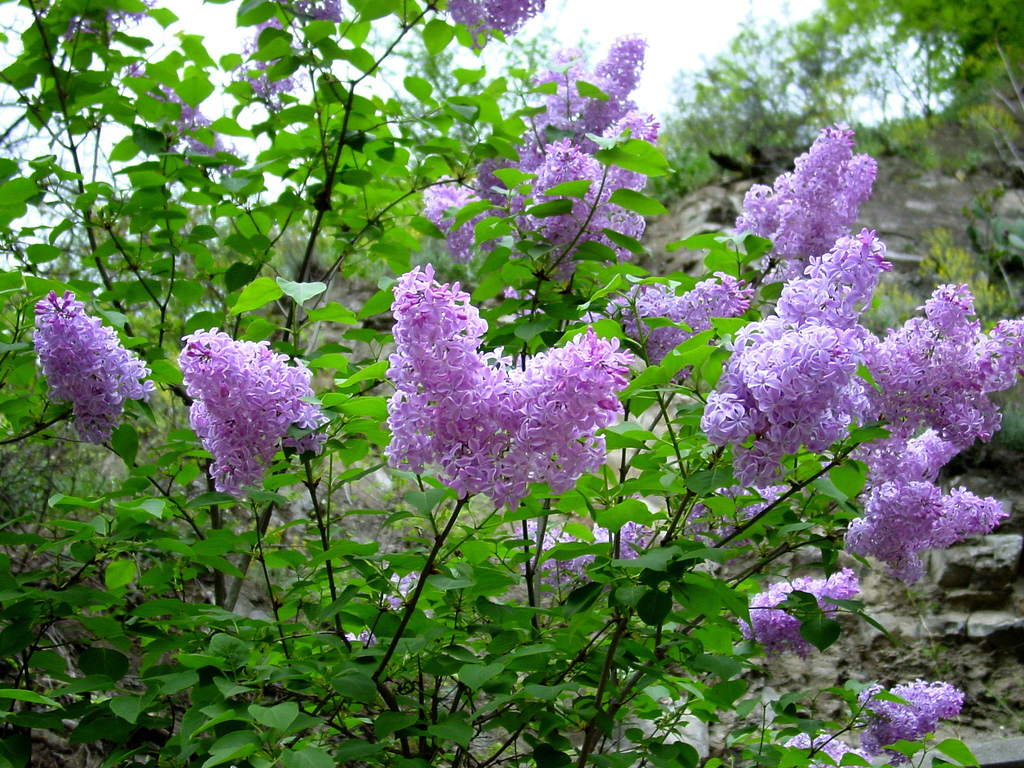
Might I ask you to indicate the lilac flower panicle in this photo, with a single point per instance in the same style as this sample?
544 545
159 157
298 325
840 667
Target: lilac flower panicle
792 379
810 208
720 296
825 745
85 364
438 204
246 399
491 427
319 10
890 721
902 518
777 630
505 16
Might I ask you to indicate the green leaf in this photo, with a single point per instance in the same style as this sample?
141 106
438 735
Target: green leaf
119 573
103 661
280 716
820 632
125 442
258 293
582 598
957 750
389 722
301 292
635 155
849 477
637 202
436 36
150 141
577 188
558 207
32 697
310 757
628 511
654 607
475 675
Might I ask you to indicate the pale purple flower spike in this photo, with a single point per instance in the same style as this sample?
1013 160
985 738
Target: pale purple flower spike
85 364
246 399
890 721
493 428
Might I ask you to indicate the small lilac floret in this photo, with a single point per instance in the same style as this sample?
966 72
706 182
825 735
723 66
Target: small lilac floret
319 10
779 631
633 539
247 397
85 364
890 721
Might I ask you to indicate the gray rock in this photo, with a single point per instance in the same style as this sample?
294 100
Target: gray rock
945 625
997 627
989 563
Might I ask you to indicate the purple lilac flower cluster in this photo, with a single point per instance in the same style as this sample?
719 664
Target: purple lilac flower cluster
246 399
825 745
934 374
720 296
710 528
812 207
493 428
505 16
558 150
779 631
890 721
85 364
791 380
633 539
255 70
319 10
441 204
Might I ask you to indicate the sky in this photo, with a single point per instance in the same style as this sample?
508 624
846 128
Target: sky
680 33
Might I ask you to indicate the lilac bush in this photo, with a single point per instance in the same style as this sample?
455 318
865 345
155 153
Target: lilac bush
505 16
85 364
247 398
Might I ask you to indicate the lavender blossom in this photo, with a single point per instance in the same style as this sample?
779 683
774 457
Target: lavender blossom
812 207
902 518
439 203
937 371
112 20
890 721
779 631
319 10
256 74
633 539
720 296
85 364
792 379
246 399
505 16
491 427
824 745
